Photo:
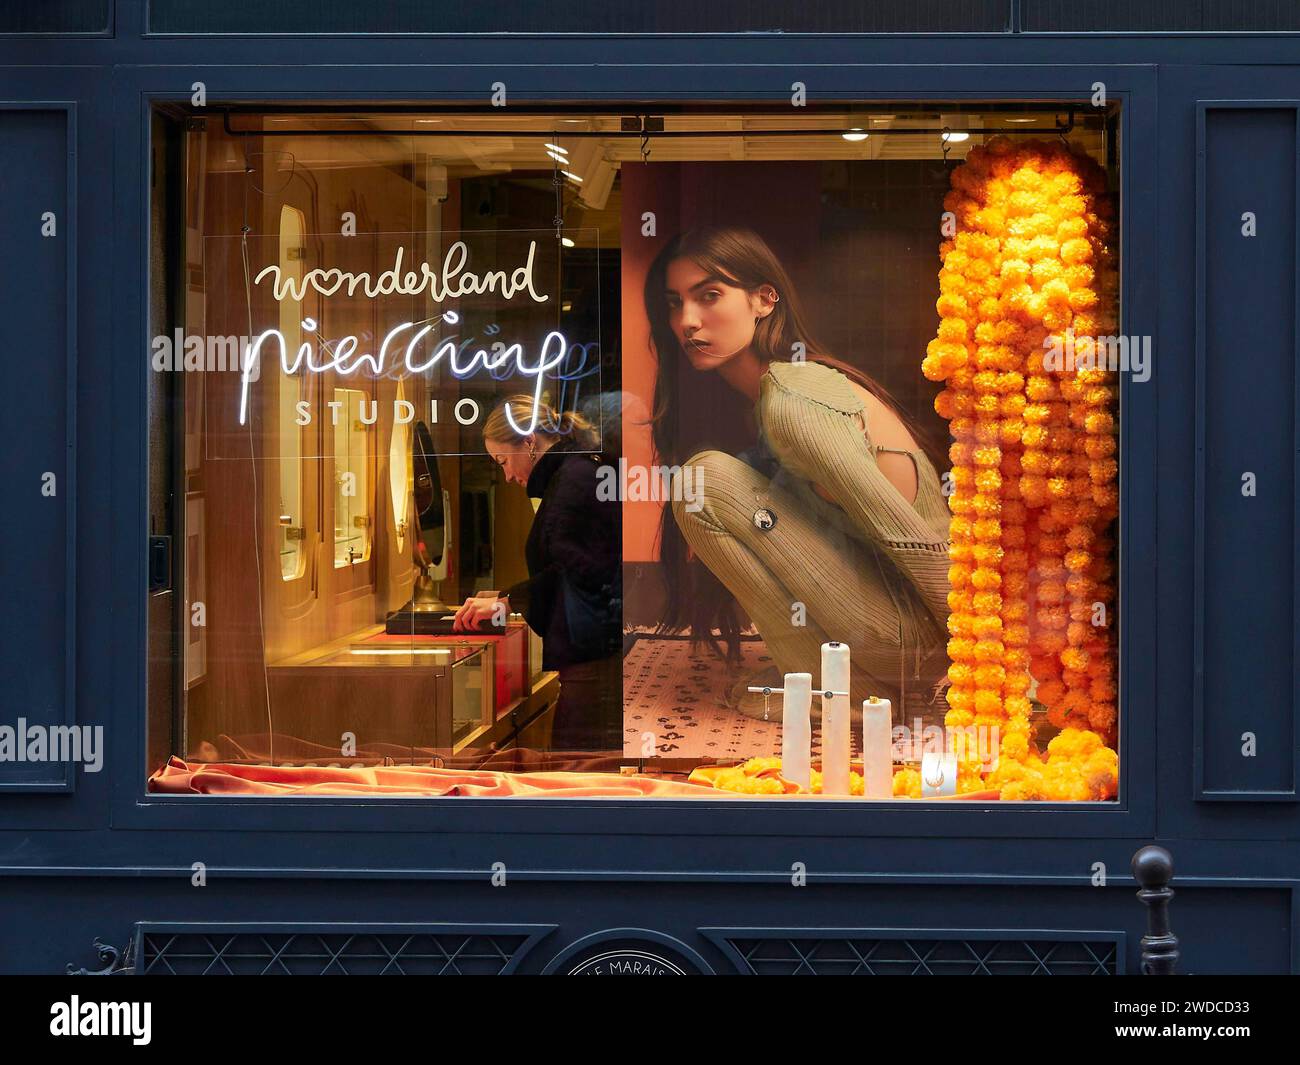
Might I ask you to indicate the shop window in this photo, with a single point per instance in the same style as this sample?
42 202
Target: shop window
778 458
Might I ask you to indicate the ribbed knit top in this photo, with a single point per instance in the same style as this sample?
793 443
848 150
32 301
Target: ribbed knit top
806 414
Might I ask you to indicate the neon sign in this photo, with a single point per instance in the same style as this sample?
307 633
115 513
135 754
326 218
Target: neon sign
412 346
346 360
455 280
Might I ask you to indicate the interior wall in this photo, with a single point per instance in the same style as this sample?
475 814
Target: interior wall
254 616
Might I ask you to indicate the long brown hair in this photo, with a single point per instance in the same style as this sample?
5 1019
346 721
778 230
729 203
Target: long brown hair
736 256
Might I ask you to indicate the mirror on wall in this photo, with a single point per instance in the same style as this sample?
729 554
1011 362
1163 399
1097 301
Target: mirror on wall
400 472
431 541
351 480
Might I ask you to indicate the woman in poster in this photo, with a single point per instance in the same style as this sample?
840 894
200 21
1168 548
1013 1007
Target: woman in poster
834 525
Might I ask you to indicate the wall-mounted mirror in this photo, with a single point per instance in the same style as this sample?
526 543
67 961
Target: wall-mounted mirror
431 542
431 506
400 472
351 480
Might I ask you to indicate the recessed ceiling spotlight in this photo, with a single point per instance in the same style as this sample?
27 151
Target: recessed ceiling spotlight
567 242
857 133
556 148
955 136
571 177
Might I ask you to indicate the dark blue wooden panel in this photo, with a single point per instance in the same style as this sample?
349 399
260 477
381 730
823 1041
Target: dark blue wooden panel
56 16
1224 925
1192 16
37 306
580 16
1246 453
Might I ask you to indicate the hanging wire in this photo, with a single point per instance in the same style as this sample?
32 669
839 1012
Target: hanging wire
557 180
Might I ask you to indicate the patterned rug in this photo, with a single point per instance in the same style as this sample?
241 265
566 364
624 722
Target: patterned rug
678 695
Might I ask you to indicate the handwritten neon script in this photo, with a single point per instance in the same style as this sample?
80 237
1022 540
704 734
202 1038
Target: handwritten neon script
454 282
346 360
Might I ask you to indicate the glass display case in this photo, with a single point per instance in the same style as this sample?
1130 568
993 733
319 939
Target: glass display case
429 696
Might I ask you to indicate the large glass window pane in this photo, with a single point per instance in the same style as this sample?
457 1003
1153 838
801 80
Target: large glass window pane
777 455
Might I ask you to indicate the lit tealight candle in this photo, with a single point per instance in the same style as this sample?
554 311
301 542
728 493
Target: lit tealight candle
836 735
877 749
938 774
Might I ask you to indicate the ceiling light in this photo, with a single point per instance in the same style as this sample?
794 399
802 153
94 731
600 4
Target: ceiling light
857 133
556 148
955 136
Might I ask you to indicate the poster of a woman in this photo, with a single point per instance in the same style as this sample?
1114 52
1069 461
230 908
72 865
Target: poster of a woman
818 511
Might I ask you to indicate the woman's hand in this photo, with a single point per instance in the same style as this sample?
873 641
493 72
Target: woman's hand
485 608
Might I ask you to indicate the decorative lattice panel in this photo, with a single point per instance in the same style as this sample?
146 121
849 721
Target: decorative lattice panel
325 953
793 956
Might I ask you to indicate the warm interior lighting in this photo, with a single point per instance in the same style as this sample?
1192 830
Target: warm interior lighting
401 651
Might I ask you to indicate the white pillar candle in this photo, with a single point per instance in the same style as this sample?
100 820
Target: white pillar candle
877 749
796 729
836 736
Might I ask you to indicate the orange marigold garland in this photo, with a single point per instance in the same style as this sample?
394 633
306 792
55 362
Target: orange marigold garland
1030 272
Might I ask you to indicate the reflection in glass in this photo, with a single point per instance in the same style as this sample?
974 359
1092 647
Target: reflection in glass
293 537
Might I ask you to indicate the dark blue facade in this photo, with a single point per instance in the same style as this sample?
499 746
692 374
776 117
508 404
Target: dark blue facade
1208 588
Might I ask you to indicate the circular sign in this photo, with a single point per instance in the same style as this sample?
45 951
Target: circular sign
626 962
627 952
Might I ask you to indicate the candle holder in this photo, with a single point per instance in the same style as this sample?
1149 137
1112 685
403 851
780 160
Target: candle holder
768 691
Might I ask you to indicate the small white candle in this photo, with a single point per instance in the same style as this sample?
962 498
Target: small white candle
796 729
877 749
836 735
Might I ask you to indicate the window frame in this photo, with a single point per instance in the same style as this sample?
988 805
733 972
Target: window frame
1132 816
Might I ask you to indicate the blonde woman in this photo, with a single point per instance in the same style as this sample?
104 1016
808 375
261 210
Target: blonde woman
573 595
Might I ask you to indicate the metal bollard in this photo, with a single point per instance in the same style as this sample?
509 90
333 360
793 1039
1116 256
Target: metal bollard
1153 868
